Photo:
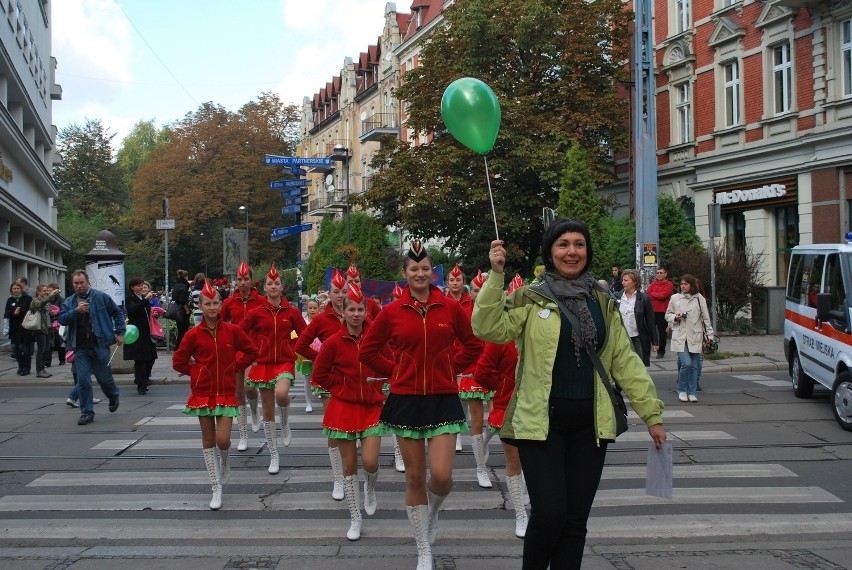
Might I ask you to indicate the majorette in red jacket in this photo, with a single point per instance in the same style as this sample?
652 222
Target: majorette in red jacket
217 358
323 326
422 338
235 308
270 328
496 371
339 370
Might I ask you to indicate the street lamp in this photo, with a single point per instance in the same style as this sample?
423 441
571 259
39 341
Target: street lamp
342 153
206 271
245 209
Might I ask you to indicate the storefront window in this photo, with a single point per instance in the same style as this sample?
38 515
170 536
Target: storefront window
735 231
786 238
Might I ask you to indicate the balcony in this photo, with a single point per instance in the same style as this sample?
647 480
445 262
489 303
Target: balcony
379 125
327 203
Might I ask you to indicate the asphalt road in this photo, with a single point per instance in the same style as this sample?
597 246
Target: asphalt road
761 481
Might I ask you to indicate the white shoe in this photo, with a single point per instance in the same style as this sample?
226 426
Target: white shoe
72 403
458 442
96 400
309 408
682 397
693 398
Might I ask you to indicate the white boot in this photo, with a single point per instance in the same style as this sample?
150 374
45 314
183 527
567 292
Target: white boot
224 466
435 502
213 471
418 517
255 423
272 444
370 502
241 424
350 489
487 434
398 463
516 491
337 471
309 406
286 435
481 470
458 442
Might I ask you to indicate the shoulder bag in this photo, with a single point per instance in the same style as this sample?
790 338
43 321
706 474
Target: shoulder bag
171 310
618 405
32 321
709 345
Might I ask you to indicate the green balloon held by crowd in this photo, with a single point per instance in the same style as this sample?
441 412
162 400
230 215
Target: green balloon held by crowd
472 113
131 335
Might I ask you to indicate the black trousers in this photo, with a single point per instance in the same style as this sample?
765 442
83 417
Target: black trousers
662 325
562 474
142 373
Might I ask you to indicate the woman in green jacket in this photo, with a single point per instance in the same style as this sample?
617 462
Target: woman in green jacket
560 416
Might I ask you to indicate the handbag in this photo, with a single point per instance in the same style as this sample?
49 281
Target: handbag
708 345
618 405
154 326
32 321
171 310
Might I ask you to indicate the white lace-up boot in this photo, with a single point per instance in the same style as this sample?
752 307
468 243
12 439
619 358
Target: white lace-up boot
418 516
370 502
398 463
272 444
481 470
309 406
286 434
241 424
350 489
212 464
515 483
435 502
224 466
337 471
255 423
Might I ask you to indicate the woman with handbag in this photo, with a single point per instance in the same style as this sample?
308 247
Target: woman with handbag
691 324
562 415
40 305
143 352
17 306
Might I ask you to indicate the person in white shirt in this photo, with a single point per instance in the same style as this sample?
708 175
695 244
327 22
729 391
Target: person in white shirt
637 313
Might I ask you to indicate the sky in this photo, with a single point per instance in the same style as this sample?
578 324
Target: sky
124 61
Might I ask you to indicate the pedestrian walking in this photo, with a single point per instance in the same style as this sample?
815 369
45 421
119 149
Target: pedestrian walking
637 314
143 352
17 306
41 305
660 291
690 319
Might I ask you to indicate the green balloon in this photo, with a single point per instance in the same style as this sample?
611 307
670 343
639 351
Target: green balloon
472 113
131 335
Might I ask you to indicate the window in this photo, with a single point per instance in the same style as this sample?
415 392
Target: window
732 94
834 283
682 20
786 238
846 56
782 79
735 231
684 113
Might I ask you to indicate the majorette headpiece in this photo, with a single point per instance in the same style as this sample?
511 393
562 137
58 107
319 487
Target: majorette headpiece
456 272
352 272
273 273
354 293
515 283
479 280
417 252
397 291
337 279
243 270
208 290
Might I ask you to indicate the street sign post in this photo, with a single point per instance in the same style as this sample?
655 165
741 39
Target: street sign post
296 183
291 210
291 193
279 233
275 160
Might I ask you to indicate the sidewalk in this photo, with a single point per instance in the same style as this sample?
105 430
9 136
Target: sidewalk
766 353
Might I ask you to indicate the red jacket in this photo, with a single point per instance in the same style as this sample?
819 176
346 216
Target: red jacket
235 308
271 329
211 363
496 371
323 326
338 369
425 359
660 292
373 309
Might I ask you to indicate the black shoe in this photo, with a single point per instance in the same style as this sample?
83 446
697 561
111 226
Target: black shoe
660 355
113 404
142 392
85 419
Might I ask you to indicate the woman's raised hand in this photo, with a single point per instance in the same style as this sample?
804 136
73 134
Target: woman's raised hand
497 256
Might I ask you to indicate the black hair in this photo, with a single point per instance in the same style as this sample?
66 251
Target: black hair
556 229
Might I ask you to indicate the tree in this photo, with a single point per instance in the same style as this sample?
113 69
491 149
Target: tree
88 179
555 66
80 231
135 147
677 233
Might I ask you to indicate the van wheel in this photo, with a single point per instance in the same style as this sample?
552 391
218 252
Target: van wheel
841 397
803 385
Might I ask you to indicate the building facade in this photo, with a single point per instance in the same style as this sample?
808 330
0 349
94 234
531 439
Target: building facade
754 113
29 243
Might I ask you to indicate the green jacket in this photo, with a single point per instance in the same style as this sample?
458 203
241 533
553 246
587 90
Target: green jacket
533 322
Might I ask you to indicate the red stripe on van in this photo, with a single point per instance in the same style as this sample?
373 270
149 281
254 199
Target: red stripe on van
810 323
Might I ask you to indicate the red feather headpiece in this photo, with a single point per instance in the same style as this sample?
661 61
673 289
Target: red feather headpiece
273 273
243 270
456 272
208 290
352 272
354 293
515 283
479 280
337 279
397 291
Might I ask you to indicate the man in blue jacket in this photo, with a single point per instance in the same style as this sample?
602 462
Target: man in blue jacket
93 323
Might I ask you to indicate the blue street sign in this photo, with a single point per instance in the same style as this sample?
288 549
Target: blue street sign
290 210
296 171
291 193
289 230
275 160
293 201
274 184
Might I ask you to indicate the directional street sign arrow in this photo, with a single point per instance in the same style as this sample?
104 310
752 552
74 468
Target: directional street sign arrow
279 233
290 210
296 171
291 193
275 184
275 160
293 201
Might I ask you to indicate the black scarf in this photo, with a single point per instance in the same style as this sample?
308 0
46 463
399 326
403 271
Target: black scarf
574 294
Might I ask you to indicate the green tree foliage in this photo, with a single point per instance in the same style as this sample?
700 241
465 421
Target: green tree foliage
554 66
88 179
135 147
80 231
677 233
616 246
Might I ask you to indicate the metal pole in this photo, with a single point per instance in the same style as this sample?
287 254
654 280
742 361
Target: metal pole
168 292
715 230
247 238
346 163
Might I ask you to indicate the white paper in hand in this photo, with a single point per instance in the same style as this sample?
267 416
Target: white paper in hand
658 478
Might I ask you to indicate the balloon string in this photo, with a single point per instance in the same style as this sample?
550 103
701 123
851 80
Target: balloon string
491 196
113 354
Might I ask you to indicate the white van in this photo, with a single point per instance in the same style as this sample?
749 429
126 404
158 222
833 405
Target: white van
818 324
